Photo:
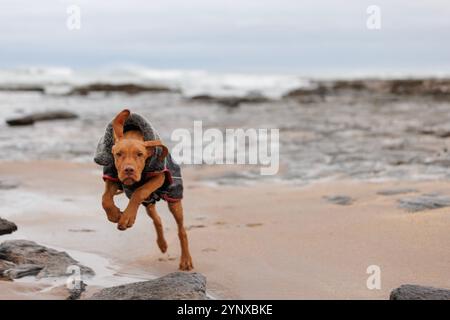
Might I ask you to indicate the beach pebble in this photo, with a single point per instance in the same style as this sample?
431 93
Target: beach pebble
415 292
7 227
393 192
424 202
55 263
174 286
340 200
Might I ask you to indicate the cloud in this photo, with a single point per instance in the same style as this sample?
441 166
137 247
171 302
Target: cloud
264 34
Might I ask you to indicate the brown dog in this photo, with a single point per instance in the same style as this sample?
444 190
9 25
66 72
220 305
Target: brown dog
130 153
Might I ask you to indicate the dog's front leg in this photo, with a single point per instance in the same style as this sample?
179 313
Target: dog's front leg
113 213
139 195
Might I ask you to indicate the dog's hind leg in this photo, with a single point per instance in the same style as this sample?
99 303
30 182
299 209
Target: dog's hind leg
186 261
160 240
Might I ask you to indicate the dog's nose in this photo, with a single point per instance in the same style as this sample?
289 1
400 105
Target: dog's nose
129 170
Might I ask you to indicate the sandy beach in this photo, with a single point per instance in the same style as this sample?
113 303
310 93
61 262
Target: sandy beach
266 240
313 141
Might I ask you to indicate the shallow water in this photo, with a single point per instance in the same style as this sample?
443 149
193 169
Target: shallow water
372 138
106 272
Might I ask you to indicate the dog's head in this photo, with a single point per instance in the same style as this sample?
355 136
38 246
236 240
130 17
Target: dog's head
131 154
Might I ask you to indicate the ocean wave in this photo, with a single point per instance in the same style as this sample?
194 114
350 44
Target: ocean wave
190 82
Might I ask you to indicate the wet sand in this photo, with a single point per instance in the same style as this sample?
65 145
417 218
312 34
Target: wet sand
267 240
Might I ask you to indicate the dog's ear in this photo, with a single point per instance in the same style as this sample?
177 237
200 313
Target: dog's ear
157 143
118 123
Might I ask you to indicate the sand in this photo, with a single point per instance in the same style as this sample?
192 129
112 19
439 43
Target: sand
264 241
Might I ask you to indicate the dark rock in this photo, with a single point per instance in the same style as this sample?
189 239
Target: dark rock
415 292
438 88
5 265
340 200
8 185
437 132
405 86
24 121
425 202
23 88
7 227
231 101
22 270
174 286
431 87
127 88
54 262
393 192
42 116
353 85
308 95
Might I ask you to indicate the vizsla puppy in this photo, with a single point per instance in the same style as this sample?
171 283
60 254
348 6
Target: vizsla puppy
145 171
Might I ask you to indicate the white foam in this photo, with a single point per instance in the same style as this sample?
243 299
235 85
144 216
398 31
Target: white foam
191 82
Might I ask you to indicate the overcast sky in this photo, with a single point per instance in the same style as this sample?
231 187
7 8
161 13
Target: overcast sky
226 35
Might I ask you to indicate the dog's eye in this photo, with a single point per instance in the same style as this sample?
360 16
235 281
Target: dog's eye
118 154
140 154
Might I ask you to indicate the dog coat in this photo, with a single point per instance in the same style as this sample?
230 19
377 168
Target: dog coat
172 188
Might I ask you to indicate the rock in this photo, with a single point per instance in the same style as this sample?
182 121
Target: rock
318 89
415 292
425 202
174 286
23 88
437 132
127 88
340 200
23 121
7 227
405 86
352 85
438 88
5 265
393 192
308 95
42 116
54 262
231 101
8 185
433 87
22 270
10 271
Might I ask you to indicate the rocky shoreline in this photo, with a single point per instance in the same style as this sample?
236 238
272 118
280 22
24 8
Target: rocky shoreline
23 258
363 128
432 87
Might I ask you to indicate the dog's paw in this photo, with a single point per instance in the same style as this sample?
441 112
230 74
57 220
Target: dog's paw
186 263
126 221
162 244
114 215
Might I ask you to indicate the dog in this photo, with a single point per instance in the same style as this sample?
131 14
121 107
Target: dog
136 162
